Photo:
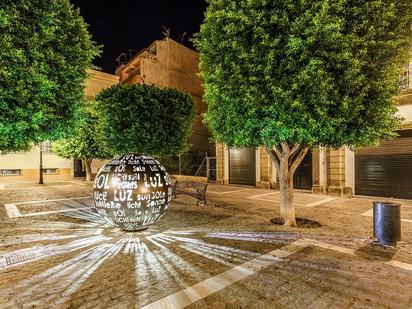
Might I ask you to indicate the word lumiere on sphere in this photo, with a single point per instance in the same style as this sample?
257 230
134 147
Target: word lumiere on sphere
132 191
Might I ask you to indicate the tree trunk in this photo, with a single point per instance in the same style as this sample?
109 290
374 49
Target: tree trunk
286 161
287 210
88 168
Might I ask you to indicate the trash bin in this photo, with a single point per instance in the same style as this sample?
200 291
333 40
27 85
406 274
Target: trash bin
387 222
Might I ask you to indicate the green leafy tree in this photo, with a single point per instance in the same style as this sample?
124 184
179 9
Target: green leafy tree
145 119
45 49
294 74
86 141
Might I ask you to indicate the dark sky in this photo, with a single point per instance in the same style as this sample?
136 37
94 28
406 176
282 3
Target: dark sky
121 25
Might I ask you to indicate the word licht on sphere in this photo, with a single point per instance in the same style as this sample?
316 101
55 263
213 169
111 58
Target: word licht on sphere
132 191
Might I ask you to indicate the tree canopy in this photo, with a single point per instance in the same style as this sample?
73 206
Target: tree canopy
85 142
317 72
45 49
293 74
145 119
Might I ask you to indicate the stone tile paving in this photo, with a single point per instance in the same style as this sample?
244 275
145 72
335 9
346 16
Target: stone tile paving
74 260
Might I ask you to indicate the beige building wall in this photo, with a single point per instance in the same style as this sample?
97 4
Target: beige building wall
97 81
265 179
28 162
332 170
220 164
167 63
97 165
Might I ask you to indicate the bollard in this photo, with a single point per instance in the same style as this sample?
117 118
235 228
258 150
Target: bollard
387 222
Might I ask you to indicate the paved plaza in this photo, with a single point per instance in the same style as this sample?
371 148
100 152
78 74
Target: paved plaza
56 252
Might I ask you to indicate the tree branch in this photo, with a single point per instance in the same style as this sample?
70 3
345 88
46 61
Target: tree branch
274 156
298 159
295 153
277 151
295 148
286 149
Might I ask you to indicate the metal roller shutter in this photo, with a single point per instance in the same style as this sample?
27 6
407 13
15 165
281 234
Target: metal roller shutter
386 170
242 166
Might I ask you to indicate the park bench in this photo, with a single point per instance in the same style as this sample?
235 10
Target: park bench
199 191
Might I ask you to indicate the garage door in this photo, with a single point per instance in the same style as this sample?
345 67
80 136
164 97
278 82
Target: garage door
386 170
242 166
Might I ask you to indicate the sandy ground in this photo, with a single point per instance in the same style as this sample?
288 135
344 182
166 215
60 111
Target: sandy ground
75 260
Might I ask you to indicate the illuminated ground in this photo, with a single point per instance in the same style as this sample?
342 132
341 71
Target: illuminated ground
57 253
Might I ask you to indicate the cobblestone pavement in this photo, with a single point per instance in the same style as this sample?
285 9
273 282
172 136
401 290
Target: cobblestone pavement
56 252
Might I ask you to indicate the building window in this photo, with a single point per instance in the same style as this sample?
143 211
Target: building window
10 172
50 171
46 147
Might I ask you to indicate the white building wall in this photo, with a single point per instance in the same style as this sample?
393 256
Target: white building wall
405 111
31 160
28 162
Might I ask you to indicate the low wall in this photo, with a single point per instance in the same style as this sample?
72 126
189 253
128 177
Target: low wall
189 178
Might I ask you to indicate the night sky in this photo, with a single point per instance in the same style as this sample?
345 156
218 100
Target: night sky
122 25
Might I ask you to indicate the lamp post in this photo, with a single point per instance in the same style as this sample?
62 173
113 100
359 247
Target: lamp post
41 164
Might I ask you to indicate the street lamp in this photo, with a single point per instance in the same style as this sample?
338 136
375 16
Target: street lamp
41 164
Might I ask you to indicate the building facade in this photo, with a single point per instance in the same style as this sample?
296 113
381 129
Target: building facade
25 165
382 171
167 63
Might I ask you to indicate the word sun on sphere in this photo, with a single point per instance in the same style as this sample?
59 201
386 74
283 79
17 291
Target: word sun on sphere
132 191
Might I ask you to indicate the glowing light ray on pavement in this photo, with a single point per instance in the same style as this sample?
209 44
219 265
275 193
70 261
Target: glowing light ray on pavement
47 237
42 252
26 288
191 270
83 275
155 259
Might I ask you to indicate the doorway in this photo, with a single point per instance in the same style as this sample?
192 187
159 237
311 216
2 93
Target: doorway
79 170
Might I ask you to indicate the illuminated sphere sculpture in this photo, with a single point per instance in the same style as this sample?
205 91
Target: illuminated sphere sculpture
132 191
